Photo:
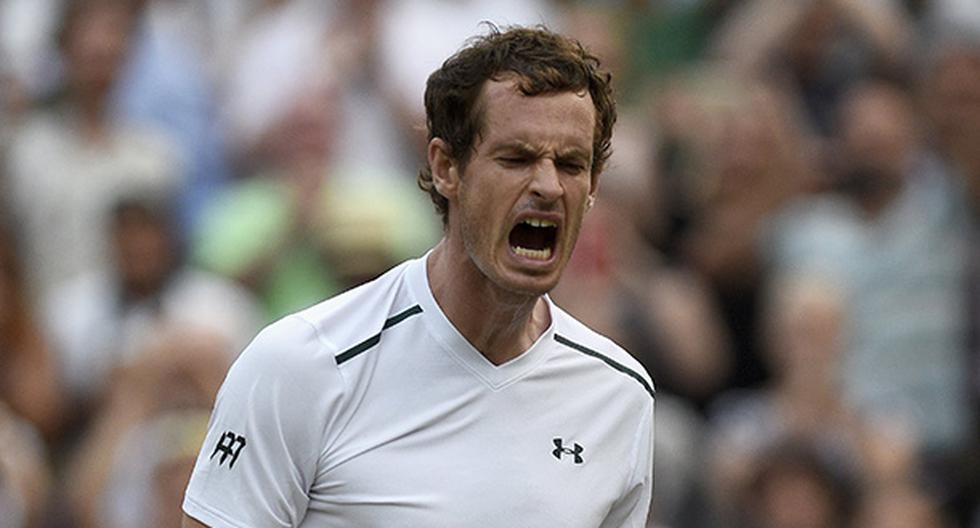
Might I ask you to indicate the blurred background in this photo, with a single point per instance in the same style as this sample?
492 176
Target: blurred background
786 236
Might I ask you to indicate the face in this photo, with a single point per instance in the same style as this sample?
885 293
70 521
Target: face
794 498
878 130
144 251
515 209
96 47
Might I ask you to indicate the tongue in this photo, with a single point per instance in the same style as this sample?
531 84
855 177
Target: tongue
529 237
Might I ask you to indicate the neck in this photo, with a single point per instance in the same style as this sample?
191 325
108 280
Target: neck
876 203
500 324
92 115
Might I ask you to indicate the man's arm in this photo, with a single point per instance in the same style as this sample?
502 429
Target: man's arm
190 522
633 508
265 436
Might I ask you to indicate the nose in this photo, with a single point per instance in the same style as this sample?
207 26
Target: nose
545 183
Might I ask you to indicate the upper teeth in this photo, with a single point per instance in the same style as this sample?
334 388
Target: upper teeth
537 222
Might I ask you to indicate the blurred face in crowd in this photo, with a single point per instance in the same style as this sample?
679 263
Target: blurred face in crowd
807 321
794 498
144 250
306 133
811 40
95 45
877 134
757 144
517 204
744 151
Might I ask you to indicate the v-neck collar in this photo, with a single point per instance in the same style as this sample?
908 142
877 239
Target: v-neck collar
457 346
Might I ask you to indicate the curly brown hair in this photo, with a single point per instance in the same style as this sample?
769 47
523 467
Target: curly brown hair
542 62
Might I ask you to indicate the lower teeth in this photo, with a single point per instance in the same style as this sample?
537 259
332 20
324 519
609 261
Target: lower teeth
537 254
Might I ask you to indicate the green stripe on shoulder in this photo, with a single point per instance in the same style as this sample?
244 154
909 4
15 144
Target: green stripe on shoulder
372 341
607 360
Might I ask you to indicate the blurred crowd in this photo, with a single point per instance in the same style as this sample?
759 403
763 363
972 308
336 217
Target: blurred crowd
786 236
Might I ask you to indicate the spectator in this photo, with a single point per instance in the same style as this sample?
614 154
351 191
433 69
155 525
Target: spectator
164 83
366 226
818 48
260 231
112 475
893 237
284 40
950 91
28 379
798 486
99 320
70 161
806 330
747 157
272 231
152 468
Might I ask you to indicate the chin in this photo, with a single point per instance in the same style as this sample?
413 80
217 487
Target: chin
526 283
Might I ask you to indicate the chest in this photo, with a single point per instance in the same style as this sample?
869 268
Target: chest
429 444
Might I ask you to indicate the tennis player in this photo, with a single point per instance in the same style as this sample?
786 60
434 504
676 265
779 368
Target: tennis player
451 391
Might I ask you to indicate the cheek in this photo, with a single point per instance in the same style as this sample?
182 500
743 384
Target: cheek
476 218
577 197
487 201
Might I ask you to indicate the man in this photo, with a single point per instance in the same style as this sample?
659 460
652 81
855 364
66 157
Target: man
451 391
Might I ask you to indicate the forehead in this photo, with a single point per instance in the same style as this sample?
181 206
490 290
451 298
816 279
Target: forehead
565 119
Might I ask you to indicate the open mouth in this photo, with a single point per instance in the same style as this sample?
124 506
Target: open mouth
534 238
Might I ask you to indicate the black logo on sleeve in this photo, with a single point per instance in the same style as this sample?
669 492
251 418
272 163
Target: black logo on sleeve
575 450
229 445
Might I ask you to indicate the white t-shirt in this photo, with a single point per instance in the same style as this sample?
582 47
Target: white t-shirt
63 187
371 409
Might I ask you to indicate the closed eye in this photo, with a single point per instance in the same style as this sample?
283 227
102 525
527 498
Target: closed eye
514 161
571 167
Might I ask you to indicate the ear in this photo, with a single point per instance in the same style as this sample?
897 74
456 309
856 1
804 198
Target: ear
445 173
593 193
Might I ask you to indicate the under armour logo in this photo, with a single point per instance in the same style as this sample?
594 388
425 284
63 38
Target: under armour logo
575 451
229 445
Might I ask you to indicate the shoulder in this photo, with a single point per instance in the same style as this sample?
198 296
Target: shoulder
289 347
348 319
607 357
309 342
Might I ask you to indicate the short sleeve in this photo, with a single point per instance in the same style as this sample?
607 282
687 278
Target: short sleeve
633 507
267 431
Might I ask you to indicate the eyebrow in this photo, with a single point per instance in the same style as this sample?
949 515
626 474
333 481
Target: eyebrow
575 153
522 147
515 146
